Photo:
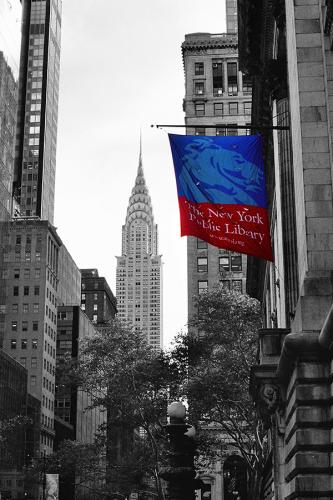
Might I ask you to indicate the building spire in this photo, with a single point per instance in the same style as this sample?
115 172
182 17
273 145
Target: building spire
140 168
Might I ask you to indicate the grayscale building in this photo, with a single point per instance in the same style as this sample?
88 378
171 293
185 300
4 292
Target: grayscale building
97 299
217 98
36 139
10 43
139 268
35 261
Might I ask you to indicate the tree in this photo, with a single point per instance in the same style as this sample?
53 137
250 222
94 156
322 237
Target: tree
123 375
220 357
12 431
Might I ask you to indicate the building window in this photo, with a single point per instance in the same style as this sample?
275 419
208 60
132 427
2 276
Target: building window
201 243
199 109
33 380
13 344
37 273
247 108
15 291
95 296
83 296
199 68
218 108
65 344
95 307
36 291
14 326
247 84
232 78
217 77
36 308
15 308
220 131
202 286
26 290
236 263
202 264
199 88
35 326
16 274
23 362
34 344
231 129
225 284
24 326
233 108
26 273
33 362
224 263
94 318
199 131
237 285
24 343
25 308
83 307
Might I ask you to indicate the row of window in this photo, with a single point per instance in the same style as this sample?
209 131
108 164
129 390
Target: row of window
24 326
223 109
26 290
24 343
25 308
217 68
226 263
18 255
235 285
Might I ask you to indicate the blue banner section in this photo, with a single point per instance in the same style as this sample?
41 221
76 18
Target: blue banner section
227 170
222 191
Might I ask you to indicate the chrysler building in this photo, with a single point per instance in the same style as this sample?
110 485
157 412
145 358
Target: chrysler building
139 268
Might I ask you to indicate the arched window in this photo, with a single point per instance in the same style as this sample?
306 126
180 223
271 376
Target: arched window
235 478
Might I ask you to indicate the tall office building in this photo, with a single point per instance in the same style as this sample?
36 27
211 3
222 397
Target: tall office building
139 268
232 21
217 98
10 42
35 263
36 138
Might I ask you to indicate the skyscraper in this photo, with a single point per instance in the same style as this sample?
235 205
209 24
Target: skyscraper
217 98
36 139
232 21
139 268
10 42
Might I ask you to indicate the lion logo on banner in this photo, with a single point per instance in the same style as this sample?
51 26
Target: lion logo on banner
214 174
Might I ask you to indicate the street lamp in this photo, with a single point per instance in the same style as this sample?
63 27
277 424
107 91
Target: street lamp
179 473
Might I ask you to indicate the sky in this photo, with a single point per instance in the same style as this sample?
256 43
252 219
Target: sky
121 71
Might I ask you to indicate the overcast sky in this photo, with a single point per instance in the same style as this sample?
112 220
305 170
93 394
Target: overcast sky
121 69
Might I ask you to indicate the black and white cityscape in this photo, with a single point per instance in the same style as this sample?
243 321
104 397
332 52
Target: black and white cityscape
136 365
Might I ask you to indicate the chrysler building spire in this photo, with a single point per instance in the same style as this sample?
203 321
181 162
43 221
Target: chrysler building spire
139 268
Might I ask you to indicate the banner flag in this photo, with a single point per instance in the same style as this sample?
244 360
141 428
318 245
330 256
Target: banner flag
222 191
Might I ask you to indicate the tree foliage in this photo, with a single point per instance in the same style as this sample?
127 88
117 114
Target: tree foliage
220 354
132 384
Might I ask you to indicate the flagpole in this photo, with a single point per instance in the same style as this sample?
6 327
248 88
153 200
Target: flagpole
226 126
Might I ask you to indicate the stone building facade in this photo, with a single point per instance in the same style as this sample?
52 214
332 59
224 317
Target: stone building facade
286 47
217 97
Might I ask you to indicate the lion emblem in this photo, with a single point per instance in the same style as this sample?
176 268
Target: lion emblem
215 174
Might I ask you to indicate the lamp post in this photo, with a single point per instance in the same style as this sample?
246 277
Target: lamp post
179 473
